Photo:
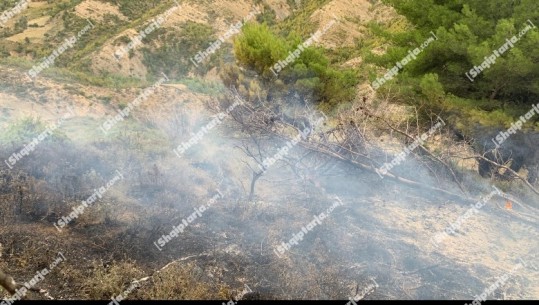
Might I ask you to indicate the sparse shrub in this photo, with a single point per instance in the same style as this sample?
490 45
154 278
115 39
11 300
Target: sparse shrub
108 281
171 52
182 281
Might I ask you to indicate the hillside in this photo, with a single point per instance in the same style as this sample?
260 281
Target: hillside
185 149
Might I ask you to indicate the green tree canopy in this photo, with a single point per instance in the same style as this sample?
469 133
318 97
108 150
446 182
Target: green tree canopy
468 31
309 74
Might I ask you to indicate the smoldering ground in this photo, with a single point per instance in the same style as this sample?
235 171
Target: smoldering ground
381 232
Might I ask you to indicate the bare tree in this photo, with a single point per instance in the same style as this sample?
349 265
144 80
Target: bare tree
267 128
258 157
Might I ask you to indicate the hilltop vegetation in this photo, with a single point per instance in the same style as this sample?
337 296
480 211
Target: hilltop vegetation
467 33
310 75
326 73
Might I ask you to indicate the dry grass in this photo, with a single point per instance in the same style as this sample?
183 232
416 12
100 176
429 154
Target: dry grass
182 282
108 281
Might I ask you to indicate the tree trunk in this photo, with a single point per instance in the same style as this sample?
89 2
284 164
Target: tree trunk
253 182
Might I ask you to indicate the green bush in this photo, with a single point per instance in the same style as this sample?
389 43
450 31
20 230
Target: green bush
310 74
25 130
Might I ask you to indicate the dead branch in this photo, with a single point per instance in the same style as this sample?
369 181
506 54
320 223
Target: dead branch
8 283
389 175
147 278
515 174
424 150
260 120
254 121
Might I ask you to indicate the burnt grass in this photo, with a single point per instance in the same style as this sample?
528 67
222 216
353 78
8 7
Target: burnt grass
229 248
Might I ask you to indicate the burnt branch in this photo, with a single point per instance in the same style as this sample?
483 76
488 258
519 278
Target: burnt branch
8 283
